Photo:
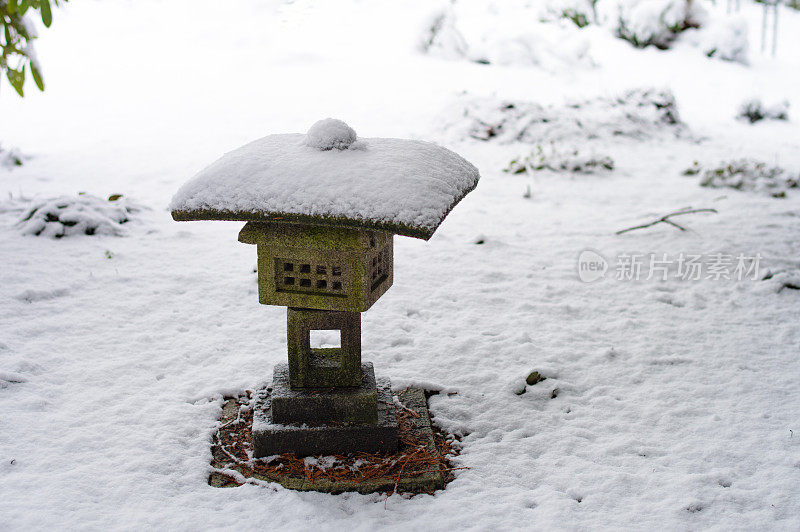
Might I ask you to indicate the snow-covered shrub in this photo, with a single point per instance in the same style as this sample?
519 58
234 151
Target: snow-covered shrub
511 33
754 110
751 175
580 12
794 4
726 39
650 22
571 160
11 157
442 38
76 215
639 113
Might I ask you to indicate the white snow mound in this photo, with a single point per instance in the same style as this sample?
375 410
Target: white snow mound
330 133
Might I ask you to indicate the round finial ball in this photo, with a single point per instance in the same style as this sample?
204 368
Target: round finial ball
330 133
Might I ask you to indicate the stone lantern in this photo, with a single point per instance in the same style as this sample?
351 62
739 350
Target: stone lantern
322 209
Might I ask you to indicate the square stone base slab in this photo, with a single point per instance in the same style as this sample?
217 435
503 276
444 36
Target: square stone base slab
314 406
271 438
416 428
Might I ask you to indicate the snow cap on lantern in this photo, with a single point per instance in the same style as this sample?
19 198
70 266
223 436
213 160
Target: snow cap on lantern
329 176
330 133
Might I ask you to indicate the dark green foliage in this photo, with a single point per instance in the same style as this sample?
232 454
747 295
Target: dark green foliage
579 17
794 4
751 175
694 169
11 157
662 37
570 160
754 111
16 51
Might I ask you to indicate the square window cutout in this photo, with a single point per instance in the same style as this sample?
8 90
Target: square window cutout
325 339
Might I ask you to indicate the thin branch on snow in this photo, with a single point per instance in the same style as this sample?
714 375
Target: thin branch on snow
666 219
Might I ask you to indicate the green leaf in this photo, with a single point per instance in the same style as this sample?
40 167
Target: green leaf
37 76
12 6
17 79
23 7
47 15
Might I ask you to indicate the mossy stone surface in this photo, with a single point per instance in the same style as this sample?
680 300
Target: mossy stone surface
271 437
323 367
316 406
304 219
320 267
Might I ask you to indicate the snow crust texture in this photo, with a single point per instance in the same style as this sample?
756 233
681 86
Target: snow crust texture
404 183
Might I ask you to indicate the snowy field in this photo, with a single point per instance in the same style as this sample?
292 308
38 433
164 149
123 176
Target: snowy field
668 404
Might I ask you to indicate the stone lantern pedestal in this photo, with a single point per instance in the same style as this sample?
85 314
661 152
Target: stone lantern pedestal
324 401
329 429
322 209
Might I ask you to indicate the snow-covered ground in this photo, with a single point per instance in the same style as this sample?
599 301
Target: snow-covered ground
677 402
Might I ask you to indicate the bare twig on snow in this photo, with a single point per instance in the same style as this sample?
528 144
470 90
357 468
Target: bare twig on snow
666 219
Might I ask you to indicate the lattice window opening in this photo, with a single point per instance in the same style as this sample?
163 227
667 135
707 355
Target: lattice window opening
308 277
378 268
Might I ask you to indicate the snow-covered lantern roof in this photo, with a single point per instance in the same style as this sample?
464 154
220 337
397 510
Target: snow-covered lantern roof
322 209
330 177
